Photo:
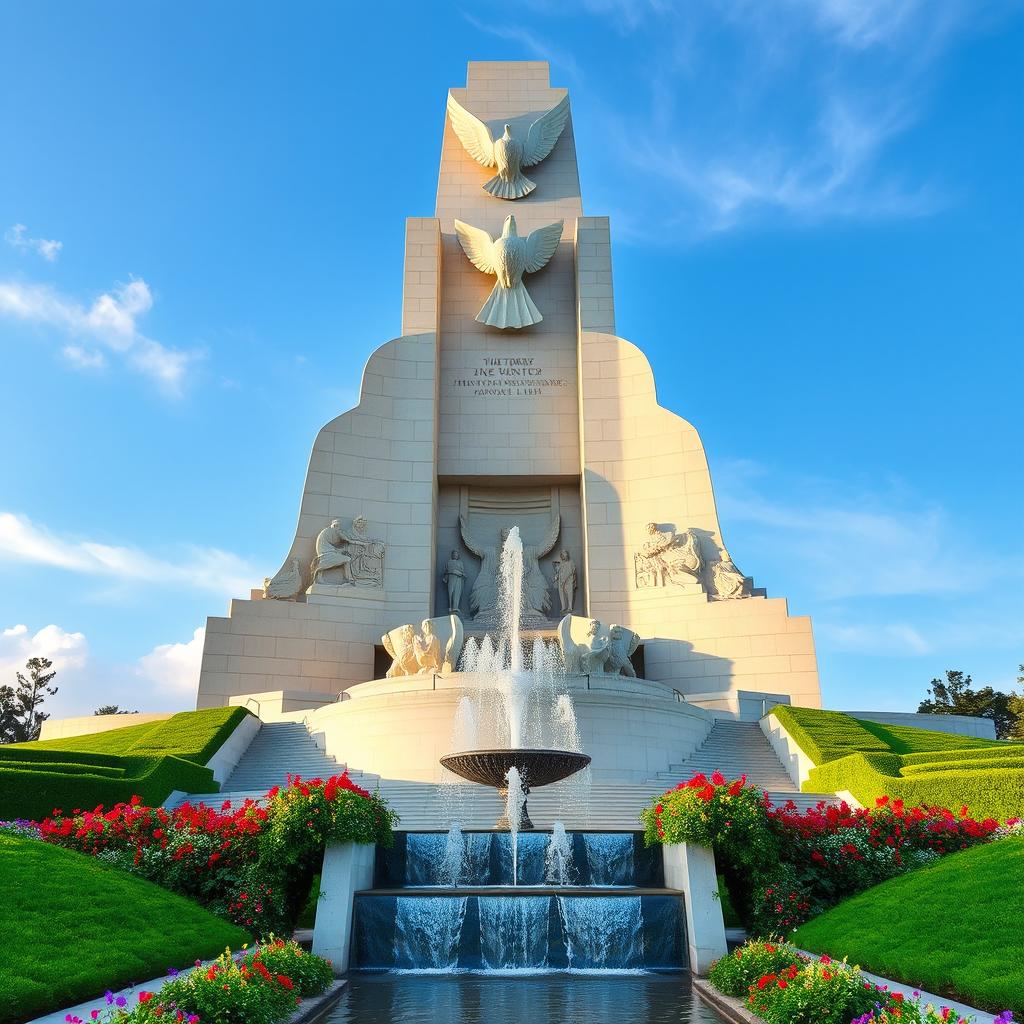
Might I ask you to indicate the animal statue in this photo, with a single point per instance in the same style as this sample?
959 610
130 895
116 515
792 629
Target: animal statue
623 645
508 153
435 649
508 257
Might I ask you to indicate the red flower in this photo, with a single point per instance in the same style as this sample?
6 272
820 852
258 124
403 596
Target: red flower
718 778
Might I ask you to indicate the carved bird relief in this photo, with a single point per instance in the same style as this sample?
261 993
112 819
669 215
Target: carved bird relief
508 154
508 257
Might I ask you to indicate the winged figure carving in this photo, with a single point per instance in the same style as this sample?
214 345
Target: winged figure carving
507 153
508 257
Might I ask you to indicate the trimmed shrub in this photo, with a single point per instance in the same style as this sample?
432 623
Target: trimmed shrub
735 973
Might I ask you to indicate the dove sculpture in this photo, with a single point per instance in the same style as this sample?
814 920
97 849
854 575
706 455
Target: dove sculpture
508 257
508 154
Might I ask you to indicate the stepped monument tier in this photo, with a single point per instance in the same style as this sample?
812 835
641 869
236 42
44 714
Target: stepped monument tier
508 405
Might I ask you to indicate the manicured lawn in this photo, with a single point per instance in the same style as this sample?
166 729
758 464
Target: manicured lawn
954 927
74 927
150 760
918 766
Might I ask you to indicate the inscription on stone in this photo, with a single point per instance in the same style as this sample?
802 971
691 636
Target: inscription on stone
510 377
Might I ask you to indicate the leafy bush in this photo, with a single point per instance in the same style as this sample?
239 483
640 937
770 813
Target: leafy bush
252 865
826 735
735 973
819 992
783 866
262 986
192 735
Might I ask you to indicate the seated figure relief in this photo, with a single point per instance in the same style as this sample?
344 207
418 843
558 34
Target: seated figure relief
348 557
589 648
728 582
667 557
436 648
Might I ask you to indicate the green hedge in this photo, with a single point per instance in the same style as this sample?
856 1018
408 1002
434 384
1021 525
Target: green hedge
193 735
986 792
74 927
826 735
983 754
150 760
36 794
1007 761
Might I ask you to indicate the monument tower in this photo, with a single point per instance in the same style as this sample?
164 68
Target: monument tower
509 400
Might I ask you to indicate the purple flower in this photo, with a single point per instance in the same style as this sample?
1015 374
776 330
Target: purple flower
121 1001
109 997
1006 1017
172 972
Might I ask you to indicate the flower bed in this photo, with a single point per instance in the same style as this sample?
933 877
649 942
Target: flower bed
782 986
261 986
251 865
784 866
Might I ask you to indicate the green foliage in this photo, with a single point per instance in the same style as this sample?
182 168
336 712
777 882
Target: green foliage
826 735
735 973
75 927
149 760
955 696
987 792
20 717
952 927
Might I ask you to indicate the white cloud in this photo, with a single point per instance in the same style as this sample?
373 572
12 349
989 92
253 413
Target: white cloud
200 568
174 668
17 237
111 322
67 651
165 679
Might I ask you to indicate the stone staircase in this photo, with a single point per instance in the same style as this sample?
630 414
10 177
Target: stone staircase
733 748
740 748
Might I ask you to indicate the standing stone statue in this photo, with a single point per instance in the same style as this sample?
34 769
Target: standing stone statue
565 581
483 598
358 558
454 576
729 582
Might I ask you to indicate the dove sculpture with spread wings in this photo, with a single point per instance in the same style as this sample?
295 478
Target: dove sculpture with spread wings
508 154
508 257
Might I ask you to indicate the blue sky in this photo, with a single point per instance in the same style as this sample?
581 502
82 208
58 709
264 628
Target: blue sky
817 231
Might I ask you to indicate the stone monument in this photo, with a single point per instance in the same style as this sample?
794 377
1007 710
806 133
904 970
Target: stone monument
495 409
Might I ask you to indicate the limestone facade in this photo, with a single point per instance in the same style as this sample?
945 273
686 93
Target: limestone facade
455 417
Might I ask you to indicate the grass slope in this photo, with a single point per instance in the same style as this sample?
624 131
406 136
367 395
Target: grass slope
920 766
74 927
953 928
150 760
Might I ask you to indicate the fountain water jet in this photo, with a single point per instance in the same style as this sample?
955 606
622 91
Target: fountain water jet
499 669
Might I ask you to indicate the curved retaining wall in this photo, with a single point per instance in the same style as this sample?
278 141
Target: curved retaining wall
400 728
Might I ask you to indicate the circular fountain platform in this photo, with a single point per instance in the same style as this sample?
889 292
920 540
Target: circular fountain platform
536 767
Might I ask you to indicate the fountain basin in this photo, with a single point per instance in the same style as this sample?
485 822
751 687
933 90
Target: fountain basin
536 768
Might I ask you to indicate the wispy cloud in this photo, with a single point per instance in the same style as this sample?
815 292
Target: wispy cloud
536 46
884 639
109 326
174 668
17 236
730 113
198 568
846 543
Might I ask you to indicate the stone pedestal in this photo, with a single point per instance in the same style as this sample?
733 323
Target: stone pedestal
692 870
348 867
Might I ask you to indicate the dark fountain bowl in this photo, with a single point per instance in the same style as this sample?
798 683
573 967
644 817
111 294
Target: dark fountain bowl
536 768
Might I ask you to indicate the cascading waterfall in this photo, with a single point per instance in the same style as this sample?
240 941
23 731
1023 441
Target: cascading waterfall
514 932
427 932
609 857
602 932
558 857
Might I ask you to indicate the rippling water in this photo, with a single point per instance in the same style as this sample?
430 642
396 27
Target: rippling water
565 999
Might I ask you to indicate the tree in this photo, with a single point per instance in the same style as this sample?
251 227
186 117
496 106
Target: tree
955 696
1017 707
20 717
113 709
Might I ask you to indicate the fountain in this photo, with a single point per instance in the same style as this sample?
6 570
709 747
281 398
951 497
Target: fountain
514 702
